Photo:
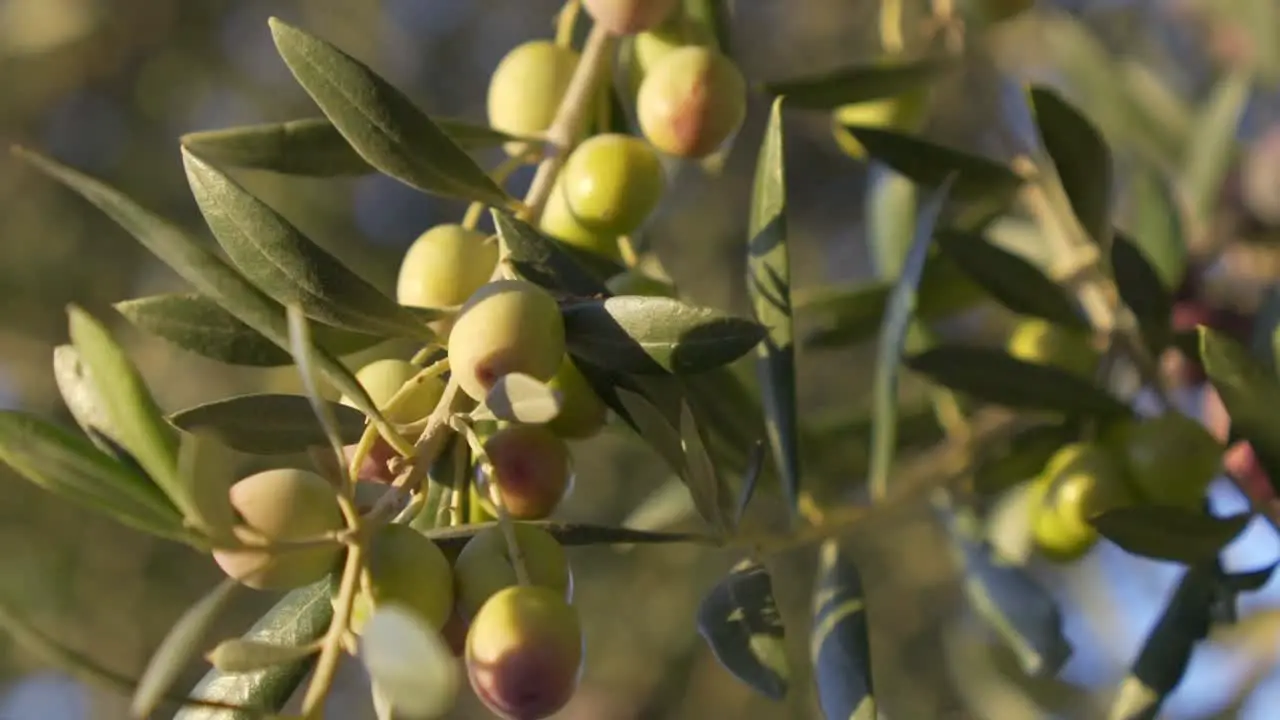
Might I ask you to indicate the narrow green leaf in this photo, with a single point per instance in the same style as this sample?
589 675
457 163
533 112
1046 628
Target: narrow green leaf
517 397
381 123
705 484
207 272
1251 394
1213 145
1082 159
183 643
992 375
648 335
240 656
1142 290
300 618
545 261
890 209
85 403
1011 280
1020 458
1166 532
313 146
894 326
840 643
739 620
1157 226
769 284
755 464
71 467
451 539
267 424
197 324
289 267
856 83
412 670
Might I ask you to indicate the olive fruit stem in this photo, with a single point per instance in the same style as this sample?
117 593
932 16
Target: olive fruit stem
331 652
566 21
463 426
400 397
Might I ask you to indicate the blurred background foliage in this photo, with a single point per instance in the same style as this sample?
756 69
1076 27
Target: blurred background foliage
109 85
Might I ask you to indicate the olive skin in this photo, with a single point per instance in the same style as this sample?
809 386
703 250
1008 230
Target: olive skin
376 466
506 326
445 266
531 470
524 653
559 222
1043 343
526 88
691 102
626 17
1079 481
1171 458
382 379
407 569
582 412
649 47
281 505
612 183
484 566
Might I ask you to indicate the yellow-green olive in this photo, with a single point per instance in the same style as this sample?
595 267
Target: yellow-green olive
527 87
407 569
582 412
691 102
445 266
612 183
1079 481
382 379
1170 458
559 222
507 326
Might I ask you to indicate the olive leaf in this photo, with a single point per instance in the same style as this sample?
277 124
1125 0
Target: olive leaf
313 146
1213 146
289 267
183 642
856 83
412 670
634 334
452 539
85 403
1157 226
1164 532
840 640
240 656
1020 458
769 283
1250 392
200 325
266 424
739 620
1082 159
545 261
1143 292
381 123
517 397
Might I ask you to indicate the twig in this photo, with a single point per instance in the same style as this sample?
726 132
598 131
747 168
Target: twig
327 663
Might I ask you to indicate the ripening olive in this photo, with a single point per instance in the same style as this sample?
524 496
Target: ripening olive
1041 342
444 266
382 379
1080 480
281 505
691 102
507 326
1170 458
625 17
530 470
527 86
559 222
582 412
634 282
612 183
650 46
902 113
524 653
405 568
484 566
376 466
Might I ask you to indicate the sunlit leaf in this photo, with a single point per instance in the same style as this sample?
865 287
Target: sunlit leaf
85 403
740 621
856 83
545 261
184 642
1251 394
410 665
267 424
1082 159
1169 533
840 642
240 656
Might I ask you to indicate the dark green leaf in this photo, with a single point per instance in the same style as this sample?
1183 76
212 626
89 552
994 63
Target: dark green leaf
994 376
647 335
288 266
755 463
300 618
381 123
197 324
1249 580
1212 146
769 284
268 424
1082 159
1169 533
1251 394
894 326
840 641
184 642
1020 458
70 466
710 493
1142 290
856 83
569 534
1011 280
739 619
1157 227
545 261
312 146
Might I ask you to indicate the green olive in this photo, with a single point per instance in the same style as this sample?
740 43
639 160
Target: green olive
625 17
283 505
1079 481
485 566
507 326
531 470
527 87
1170 458
1043 343
612 183
405 568
382 379
649 47
445 266
691 102
582 412
559 222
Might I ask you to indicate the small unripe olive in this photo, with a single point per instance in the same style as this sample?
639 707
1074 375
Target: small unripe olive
902 113
382 379
283 505
406 569
634 282
691 102
485 566
444 266
531 470
1079 481
612 183
582 412
507 326
625 17
559 222
524 653
1041 342
1170 458
527 86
